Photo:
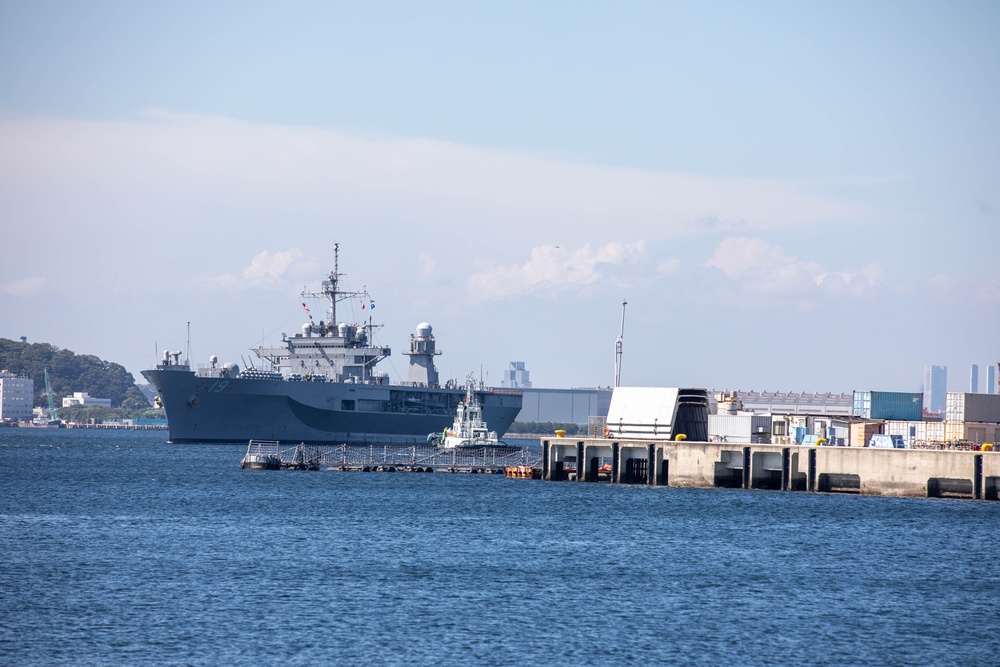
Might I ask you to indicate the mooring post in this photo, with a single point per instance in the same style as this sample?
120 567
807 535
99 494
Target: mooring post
977 479
746 467
546 466
786 469
581 464
651 465
616 463
811 482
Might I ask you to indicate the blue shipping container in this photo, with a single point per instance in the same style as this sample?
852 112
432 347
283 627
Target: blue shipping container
894 405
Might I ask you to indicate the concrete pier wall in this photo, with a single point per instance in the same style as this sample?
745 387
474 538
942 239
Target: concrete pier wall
869 471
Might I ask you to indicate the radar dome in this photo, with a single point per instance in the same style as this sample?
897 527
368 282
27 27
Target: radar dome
213 360
306 329
342 328
424 329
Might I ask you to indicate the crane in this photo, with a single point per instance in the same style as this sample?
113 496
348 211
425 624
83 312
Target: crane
53 413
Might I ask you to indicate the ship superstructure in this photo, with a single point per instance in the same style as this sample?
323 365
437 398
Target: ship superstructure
320 386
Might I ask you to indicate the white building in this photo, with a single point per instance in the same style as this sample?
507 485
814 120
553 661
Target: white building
935 388
16 396
516 376
83 398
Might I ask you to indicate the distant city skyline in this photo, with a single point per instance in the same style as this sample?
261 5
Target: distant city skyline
791 197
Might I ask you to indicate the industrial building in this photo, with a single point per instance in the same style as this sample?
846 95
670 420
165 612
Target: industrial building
83 398
564 406
16 396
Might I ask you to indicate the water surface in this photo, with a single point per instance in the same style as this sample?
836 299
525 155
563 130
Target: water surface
118 548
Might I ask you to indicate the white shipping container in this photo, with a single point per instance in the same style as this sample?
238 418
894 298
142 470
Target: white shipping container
739 428
917 433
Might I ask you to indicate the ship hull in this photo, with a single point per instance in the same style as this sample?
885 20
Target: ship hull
204 409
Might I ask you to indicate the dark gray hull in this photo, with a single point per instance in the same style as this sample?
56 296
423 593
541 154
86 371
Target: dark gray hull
201 409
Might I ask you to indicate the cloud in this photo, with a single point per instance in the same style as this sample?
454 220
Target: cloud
551 268
245 172
270 269
266 266
427 265
761 268
31 286
668 267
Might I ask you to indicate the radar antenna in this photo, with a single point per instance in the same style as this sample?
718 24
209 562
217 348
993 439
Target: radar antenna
331 292
618 348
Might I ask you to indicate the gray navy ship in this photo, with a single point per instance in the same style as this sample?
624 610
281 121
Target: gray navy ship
320 387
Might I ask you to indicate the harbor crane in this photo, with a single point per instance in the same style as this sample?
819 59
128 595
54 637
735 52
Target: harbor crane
53 413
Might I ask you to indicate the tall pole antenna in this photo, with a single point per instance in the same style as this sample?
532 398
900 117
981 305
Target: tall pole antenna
618 348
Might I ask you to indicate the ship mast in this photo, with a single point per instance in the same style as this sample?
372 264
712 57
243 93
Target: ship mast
332 293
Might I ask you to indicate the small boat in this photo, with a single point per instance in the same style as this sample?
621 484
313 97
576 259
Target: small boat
258 456
469 429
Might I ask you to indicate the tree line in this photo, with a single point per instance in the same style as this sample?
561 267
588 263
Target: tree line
535 428
69 373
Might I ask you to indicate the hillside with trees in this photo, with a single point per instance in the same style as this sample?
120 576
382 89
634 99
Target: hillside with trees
69 373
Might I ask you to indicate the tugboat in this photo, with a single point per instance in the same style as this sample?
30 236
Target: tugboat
469 428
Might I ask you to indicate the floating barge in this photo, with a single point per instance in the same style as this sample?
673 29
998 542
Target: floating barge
393 458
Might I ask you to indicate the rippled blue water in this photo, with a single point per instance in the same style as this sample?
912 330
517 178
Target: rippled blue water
117 548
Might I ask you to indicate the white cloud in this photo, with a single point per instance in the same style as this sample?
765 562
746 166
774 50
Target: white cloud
668 267
30 286
271 269
267 266
427 265
245 172
762 268
552 268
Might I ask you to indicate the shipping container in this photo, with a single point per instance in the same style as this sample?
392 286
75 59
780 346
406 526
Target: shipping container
862 432
916 433
895 405
973 432
739 428
965 407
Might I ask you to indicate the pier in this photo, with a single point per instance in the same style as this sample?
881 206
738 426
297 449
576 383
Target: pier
867 471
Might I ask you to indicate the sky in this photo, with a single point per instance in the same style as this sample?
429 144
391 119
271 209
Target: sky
791 196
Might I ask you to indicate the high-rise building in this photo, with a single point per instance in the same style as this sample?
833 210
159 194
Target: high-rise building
516 377
935 388
16 396
991 379
974 379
